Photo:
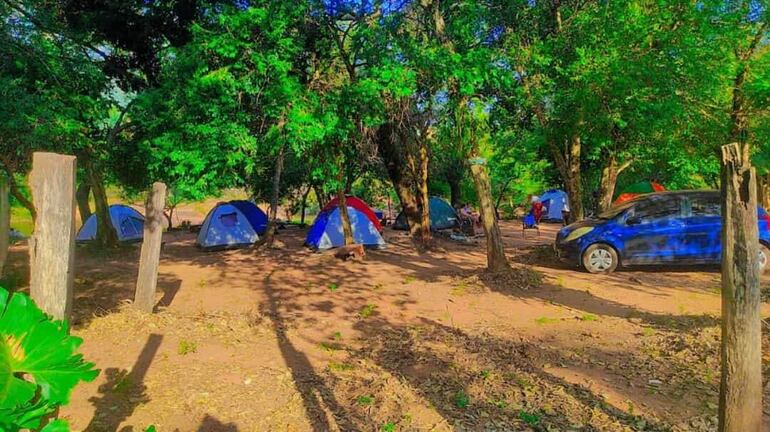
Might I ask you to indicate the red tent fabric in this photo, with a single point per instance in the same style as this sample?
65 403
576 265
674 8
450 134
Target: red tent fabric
637 189
359 205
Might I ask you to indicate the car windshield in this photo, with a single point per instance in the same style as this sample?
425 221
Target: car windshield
616 210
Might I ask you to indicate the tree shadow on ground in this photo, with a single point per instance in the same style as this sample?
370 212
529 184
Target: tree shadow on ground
317 398
487 383
123 391
212 424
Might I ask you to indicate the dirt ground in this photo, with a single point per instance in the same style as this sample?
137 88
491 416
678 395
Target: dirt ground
292 340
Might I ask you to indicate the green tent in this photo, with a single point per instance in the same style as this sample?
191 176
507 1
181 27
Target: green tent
442 216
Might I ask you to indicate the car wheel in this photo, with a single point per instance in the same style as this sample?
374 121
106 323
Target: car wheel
600 258
764 257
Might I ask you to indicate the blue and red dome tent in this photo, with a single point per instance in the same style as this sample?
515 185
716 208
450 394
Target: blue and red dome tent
232 224
326 232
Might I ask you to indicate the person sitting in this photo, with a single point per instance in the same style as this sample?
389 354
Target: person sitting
467 213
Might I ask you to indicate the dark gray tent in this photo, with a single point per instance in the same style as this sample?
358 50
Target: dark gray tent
442 216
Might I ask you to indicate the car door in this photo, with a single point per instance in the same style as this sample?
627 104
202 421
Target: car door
654 230
703 228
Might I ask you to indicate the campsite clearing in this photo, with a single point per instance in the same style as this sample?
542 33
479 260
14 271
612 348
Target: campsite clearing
256 340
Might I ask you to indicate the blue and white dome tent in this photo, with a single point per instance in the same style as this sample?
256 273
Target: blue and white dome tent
128 223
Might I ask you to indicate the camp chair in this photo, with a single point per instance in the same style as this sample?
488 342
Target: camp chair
529 222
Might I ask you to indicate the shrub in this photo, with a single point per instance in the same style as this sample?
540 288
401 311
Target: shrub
39 365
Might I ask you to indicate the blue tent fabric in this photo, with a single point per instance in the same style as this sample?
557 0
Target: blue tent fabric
128 223
225 227
442 216
326 232
554 201
254 214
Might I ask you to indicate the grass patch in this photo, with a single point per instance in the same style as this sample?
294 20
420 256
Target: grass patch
186 347
367 311
589 317
340 367
328 347
409 279
388 427
332 287
21 220
543 320
337 336
648 332
531 419
365 400
462 400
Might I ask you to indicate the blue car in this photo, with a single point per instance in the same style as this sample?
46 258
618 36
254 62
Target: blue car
682 227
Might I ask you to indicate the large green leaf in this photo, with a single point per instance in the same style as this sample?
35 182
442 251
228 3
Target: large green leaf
37 356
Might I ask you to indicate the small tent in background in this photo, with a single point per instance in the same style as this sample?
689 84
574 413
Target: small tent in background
327 233
554 202
636 189
442 216
358 204
227 226
128 223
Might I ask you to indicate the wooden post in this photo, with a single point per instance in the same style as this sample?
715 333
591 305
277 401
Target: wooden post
5 221
52 245
147 282
740 397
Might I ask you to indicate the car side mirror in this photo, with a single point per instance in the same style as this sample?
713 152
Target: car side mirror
634 220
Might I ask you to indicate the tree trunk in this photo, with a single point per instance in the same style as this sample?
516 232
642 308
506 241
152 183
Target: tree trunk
169 217
347 230
84 207
304 206
16 192
573 180
275 197
496 260
52 246
740 399
320 196
5 221
426 238
147 281
455 193
392 156
106 236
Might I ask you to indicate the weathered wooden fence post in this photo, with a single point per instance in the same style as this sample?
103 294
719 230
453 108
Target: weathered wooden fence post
147 282
5 221
740 396
52 246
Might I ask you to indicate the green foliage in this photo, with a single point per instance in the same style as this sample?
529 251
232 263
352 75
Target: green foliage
531 419
461 399
388 427
365 400
39 366
187 347
367 311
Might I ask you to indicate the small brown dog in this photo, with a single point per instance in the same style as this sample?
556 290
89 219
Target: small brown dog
347 252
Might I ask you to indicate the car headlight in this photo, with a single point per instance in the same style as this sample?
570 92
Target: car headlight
579 232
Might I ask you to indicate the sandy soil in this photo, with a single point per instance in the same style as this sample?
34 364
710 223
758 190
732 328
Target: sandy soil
291 340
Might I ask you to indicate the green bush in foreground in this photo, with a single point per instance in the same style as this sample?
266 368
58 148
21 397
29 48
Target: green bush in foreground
39 365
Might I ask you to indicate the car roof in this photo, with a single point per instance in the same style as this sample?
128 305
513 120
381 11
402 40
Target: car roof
678 193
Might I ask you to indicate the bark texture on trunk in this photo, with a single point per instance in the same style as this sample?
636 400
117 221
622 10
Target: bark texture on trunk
609 180
347 230
392 155
426 238
84 206
52 246
496 260
5 221
320 196
106 236
147 281
740 397
16 191
573 180
303 206
275 197
455 193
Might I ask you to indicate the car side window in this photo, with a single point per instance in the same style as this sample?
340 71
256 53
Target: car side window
701 206
649 211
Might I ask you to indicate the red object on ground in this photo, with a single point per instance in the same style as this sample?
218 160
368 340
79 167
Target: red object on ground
359 205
